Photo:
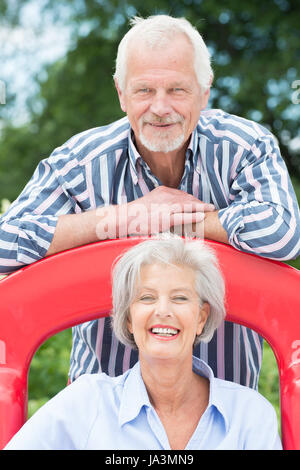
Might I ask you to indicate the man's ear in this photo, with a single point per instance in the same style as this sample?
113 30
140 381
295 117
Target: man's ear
205 96
121 96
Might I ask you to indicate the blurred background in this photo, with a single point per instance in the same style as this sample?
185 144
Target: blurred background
56 65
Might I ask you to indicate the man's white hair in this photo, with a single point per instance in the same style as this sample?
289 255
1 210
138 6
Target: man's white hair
156 31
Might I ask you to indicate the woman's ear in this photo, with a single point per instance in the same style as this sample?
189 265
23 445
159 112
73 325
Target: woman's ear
203 316
129 325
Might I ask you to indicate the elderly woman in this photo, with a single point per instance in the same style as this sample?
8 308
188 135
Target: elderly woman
167 295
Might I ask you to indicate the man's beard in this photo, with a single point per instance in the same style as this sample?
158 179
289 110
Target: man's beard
163 141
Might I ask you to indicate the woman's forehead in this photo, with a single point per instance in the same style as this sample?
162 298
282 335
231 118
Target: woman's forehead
169 274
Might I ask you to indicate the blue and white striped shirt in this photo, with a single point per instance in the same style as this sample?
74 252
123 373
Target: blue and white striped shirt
230 162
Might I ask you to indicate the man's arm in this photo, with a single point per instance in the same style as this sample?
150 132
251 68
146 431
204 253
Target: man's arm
74 230
28 226
31 228
159 210
213 229
263 214
210 228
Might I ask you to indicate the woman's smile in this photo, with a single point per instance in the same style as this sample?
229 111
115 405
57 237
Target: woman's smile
164 332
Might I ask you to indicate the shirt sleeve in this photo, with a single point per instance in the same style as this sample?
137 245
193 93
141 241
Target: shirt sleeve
27 228
260 428
263 214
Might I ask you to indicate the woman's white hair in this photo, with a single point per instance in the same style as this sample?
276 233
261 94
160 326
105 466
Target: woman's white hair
167 250
155 31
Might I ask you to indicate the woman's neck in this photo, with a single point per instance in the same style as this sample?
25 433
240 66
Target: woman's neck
172 385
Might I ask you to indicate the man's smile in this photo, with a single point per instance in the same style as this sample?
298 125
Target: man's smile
159 125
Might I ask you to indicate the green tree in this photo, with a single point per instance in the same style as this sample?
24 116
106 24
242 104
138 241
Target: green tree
255 47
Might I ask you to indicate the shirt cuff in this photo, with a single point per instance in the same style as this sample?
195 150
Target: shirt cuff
232 221
35 236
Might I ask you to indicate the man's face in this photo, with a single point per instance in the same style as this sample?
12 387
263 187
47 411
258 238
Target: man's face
162 97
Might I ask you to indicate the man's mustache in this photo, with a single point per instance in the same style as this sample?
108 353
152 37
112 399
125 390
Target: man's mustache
154 119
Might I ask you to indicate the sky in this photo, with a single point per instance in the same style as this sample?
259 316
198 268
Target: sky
24 50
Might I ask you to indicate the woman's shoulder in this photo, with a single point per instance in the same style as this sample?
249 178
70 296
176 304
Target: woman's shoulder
248 415
240 398
92 382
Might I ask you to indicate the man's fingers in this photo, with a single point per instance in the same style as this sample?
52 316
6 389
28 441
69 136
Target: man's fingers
185 218
172 197
208 207
197 207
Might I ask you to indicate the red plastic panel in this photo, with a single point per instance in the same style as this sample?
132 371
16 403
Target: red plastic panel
75 286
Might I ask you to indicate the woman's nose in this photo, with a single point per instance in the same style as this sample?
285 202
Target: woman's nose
163 308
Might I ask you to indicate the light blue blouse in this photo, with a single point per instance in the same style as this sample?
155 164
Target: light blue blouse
101 412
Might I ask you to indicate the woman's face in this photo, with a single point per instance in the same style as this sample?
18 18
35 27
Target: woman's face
165 315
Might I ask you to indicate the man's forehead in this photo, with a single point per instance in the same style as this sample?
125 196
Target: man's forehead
142 47
166 82
174 65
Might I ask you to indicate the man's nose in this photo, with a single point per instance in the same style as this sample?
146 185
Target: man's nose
160 104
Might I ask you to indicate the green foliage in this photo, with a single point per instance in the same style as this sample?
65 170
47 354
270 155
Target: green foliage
4 205
49 369
255 49
268 384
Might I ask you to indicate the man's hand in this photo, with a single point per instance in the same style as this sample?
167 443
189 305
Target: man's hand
210 228
161 210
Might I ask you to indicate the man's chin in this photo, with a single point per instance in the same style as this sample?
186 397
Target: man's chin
162 145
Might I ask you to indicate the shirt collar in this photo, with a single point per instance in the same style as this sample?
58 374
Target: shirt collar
215 392
135 395
193 146
135 157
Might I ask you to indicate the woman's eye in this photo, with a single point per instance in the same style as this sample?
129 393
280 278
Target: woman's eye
147 298
180 298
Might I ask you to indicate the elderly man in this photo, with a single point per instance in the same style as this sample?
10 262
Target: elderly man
167 164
